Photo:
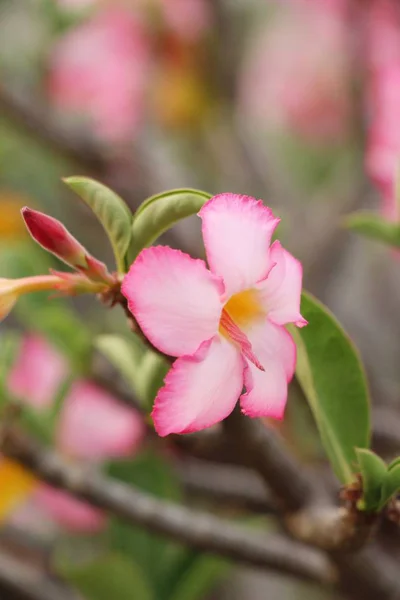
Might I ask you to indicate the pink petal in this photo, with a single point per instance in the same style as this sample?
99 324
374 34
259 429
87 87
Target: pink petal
199 390
95 426
267 391
237 233
68 512
174 298
38 372
280 292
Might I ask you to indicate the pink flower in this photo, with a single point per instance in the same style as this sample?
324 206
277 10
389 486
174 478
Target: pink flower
287 85
99 70
93 425
226 325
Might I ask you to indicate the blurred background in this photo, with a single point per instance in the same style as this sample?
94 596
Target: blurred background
296 102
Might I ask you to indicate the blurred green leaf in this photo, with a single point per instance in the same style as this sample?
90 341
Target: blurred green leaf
333 380
60 325
142 369
394 463
111 577
375 227
391 485
153 474
110 209
373 471
196 581
160 212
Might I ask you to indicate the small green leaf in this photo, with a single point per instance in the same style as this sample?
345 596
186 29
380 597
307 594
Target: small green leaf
111 211
160 212
375 227
142 369
110 577
333 380
373 471
391 485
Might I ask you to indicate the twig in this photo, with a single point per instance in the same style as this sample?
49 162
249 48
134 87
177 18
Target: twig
197 529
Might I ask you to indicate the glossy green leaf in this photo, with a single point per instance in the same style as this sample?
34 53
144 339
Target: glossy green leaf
373 472
375 227
110 209
142 369
391 485
333 380
110 577
160 212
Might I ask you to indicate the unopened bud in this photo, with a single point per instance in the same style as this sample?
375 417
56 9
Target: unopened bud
55 238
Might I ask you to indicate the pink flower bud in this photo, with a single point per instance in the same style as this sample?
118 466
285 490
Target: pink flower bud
55 238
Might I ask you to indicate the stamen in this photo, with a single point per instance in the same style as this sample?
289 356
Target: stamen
237 335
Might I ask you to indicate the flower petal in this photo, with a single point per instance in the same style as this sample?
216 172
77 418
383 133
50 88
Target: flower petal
237 233
95 426
267 391
67 511
280 292
174 298
199 390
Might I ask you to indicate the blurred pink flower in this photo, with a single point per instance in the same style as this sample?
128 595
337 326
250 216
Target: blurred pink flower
67 512
296 75
99 70
225 325
93 425
38 372
189 19
383 99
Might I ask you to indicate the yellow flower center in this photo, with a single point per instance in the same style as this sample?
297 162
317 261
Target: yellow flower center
240 311
244 307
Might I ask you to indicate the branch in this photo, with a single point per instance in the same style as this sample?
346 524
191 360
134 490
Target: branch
31 118
225 483
21 581
199 530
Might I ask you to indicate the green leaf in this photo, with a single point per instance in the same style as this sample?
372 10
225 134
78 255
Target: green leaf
391 485
373 471
394 463
107 578
160 212
142 369
375 227
198 581
333 380
110 209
